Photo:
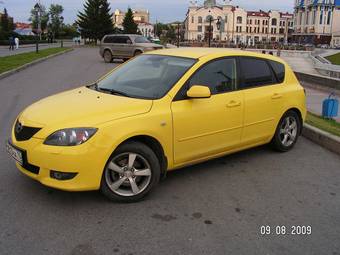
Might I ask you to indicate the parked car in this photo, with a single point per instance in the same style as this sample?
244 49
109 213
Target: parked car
160 111
125 46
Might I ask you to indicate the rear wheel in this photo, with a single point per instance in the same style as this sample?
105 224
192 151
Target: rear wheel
130 173
108 56
287 132
138 52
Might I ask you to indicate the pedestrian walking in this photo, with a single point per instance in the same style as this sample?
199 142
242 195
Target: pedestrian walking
16 40
11 43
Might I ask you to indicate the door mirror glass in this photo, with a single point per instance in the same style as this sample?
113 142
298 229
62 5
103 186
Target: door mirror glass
129 41
198 91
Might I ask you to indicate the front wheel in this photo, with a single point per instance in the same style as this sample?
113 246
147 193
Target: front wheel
108 56
287 132
130 173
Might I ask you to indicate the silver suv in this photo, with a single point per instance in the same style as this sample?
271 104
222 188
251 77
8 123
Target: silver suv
125 46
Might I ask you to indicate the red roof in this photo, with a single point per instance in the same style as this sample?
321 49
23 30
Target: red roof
22 25
257 14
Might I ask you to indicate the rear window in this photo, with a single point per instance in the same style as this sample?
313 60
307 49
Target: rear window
255 72
279 70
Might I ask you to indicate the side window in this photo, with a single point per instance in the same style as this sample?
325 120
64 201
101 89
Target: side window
220 76
279 70
109 39
255 72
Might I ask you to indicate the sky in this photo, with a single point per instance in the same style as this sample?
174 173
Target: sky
160 10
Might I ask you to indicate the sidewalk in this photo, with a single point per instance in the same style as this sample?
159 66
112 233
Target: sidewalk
315 99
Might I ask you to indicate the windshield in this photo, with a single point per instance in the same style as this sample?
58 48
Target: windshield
147 76
141 39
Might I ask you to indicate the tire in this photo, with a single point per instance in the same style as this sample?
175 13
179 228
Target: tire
287 132
107 56
131 173
137 53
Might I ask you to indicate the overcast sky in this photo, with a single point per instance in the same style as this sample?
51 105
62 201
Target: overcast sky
161 10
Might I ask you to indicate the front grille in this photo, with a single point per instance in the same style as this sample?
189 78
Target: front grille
23 133
31 168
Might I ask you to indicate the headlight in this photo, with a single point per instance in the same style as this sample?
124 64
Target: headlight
70 136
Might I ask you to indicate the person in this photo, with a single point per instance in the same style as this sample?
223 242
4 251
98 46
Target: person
11 43
16 40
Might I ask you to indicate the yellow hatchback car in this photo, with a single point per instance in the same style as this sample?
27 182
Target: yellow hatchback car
158 112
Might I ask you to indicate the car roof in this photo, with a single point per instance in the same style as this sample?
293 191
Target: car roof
131 35
196 53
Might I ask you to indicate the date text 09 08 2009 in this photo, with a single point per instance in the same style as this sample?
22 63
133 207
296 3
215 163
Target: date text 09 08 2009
284 230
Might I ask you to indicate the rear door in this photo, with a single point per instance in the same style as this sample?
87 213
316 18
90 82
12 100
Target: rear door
263 95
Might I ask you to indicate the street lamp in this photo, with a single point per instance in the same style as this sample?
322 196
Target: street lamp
61 25
218 25
178 33
37 11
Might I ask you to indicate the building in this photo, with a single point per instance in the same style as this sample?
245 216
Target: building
317 21
235 24
141 17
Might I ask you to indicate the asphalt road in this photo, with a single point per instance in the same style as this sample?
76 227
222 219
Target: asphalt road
216 207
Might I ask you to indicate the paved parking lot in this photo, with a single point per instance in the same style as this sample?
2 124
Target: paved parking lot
217 207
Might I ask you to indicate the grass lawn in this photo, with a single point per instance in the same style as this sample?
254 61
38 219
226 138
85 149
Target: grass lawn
335 59
327 125
11 62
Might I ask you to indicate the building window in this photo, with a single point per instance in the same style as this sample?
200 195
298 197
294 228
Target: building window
329 17
226 19
200 19
321 17
209 17
199 28
274 22
192 19
239 20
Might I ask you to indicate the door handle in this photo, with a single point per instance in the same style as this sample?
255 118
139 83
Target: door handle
233 103
276 96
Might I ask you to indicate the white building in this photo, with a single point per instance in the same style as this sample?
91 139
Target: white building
317 21
236 24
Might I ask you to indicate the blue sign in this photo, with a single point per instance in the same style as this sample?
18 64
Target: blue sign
337 3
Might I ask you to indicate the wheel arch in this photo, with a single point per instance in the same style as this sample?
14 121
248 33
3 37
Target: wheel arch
154 145
298 112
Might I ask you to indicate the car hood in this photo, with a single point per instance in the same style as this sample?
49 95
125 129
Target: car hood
81 107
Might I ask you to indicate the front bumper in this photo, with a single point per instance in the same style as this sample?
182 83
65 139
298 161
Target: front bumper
86 160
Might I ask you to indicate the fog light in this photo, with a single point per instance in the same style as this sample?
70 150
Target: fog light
62 176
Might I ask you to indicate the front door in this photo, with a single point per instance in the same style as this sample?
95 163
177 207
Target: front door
206 127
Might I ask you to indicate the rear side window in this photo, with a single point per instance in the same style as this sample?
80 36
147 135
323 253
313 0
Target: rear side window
109 39
255 72
279 70
116 39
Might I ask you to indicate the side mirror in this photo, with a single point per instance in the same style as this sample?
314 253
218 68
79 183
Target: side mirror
129 42
198 91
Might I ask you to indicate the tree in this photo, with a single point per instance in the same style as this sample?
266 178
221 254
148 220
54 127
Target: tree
44 18
55 23
96 20
6 25
160 28
129 25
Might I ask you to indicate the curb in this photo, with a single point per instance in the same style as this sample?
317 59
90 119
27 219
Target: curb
16 70
324 139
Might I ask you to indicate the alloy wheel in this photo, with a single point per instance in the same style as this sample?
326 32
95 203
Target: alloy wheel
128 174
288 131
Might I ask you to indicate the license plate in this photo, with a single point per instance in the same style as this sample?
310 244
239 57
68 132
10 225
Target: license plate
15 153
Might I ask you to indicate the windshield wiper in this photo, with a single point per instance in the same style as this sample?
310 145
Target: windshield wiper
112 91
